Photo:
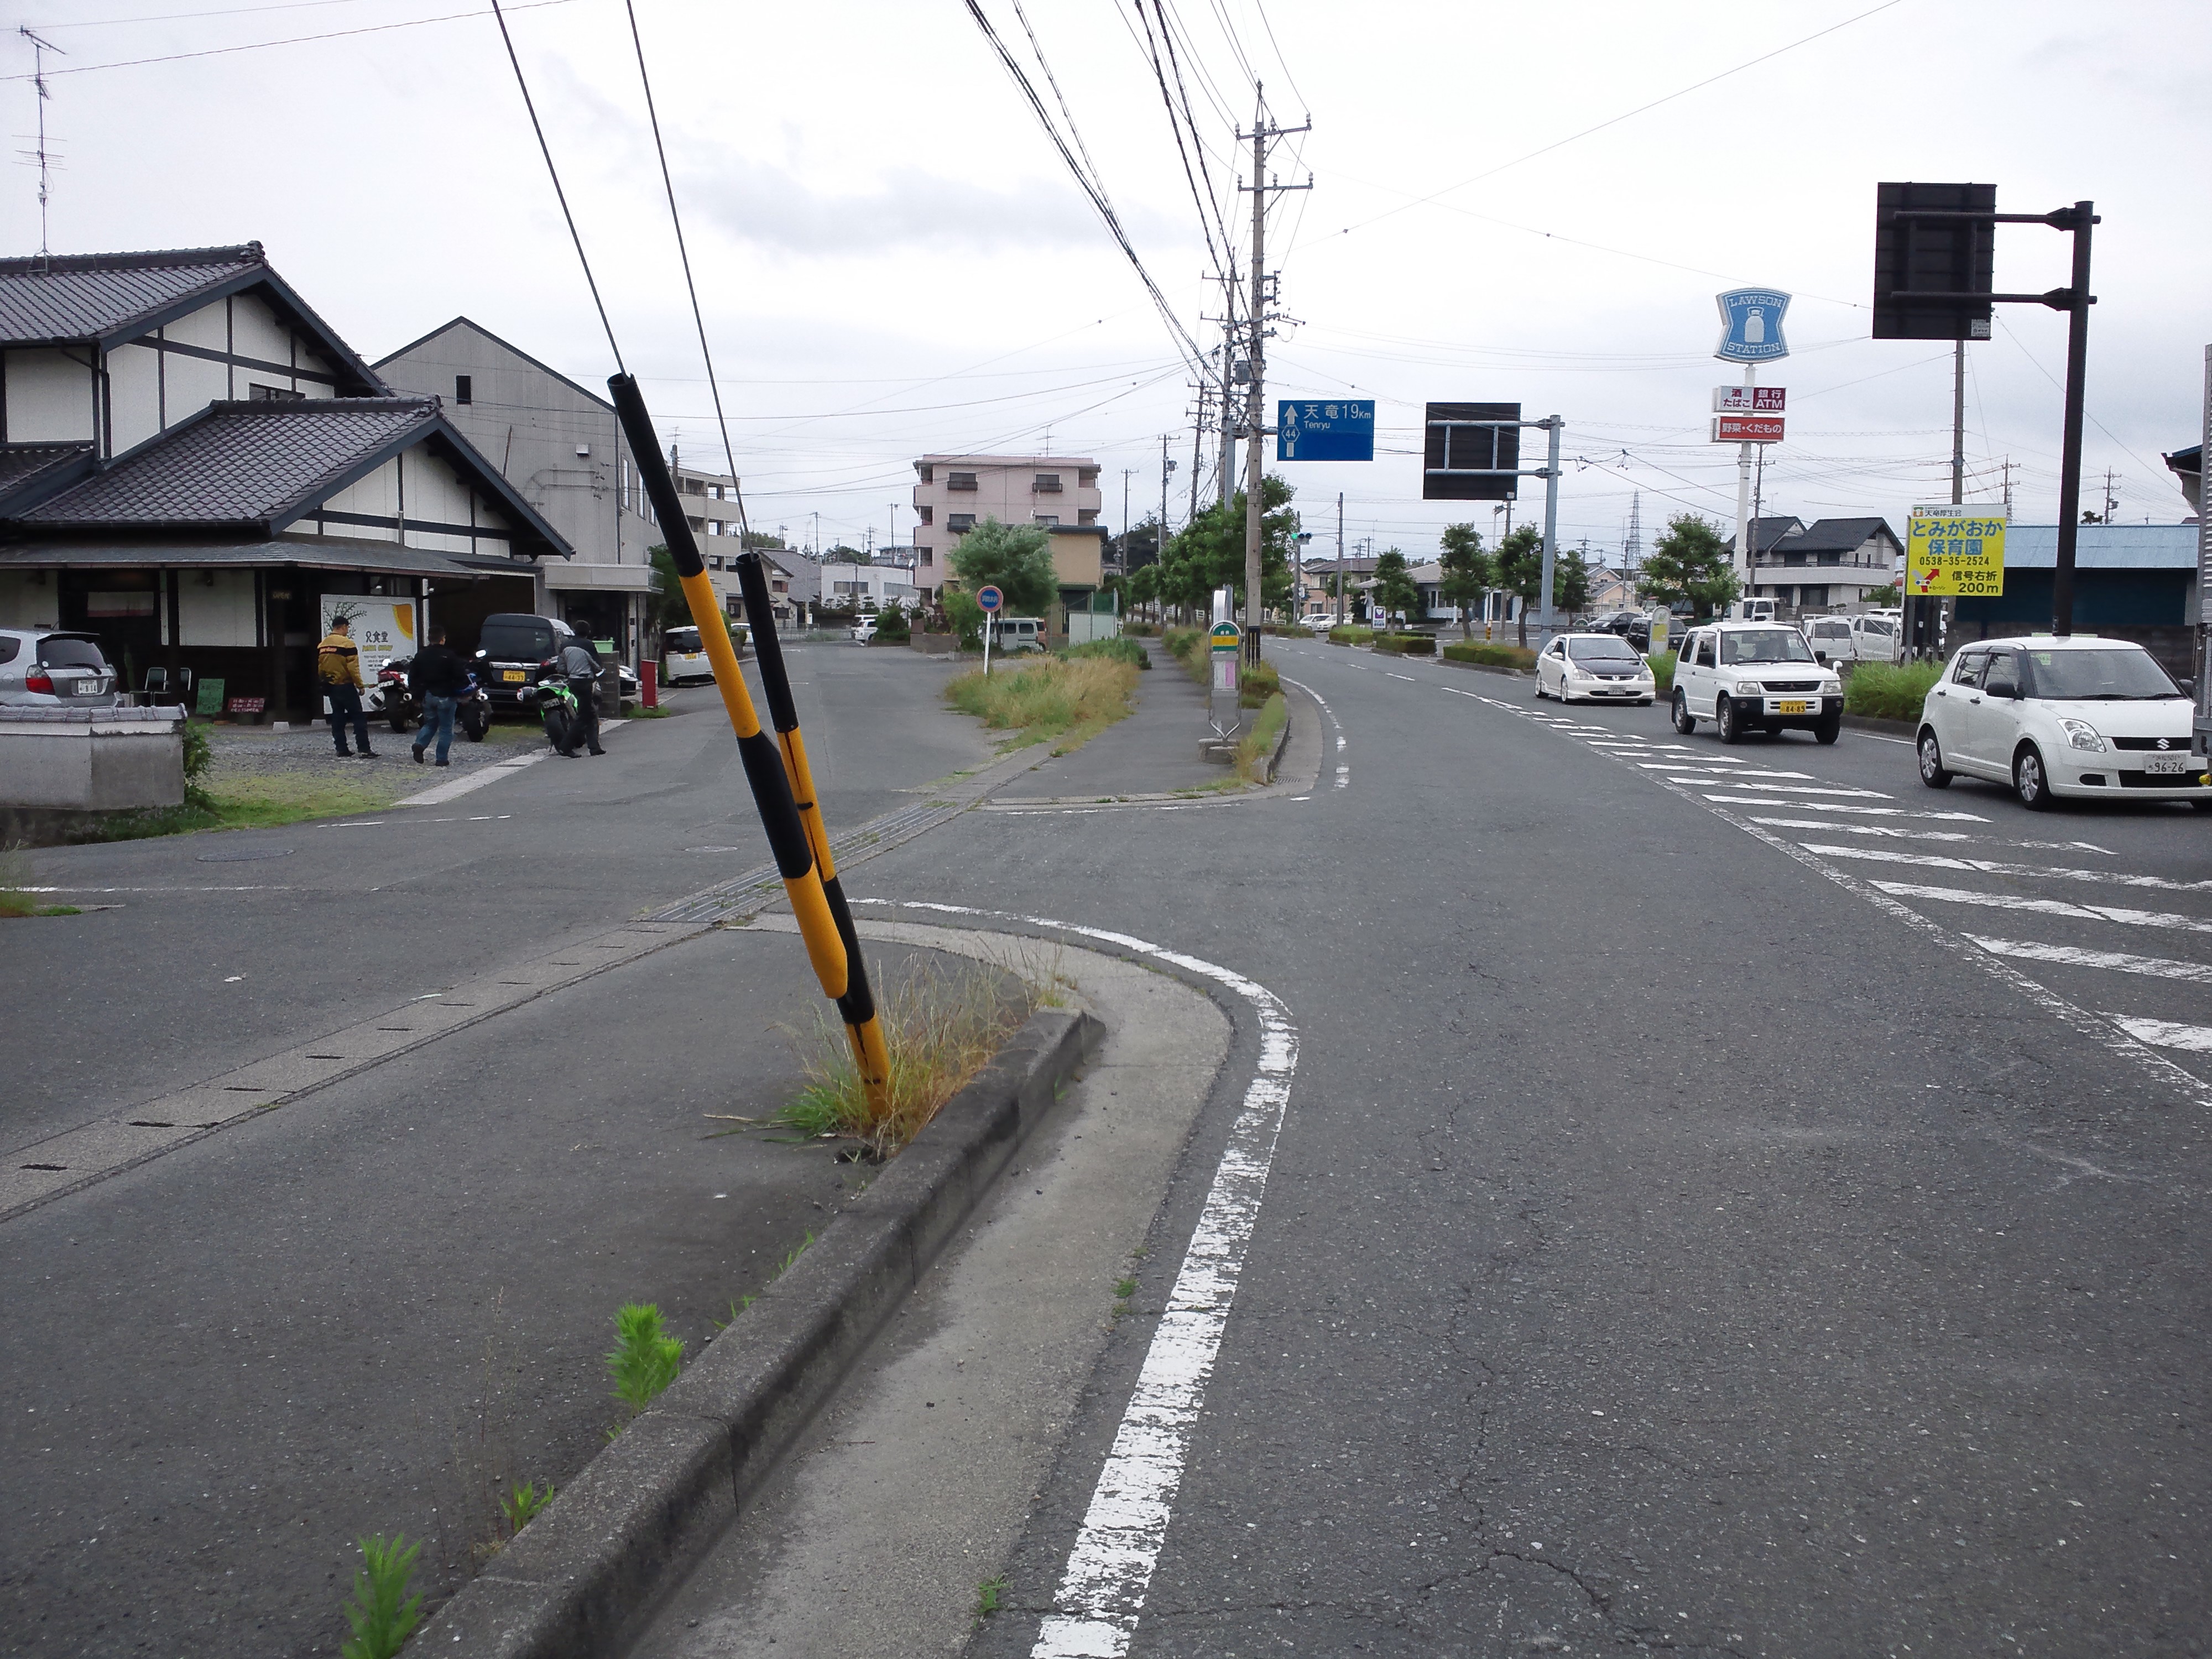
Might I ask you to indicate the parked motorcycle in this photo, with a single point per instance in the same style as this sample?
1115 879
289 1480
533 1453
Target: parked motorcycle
394 699
556 707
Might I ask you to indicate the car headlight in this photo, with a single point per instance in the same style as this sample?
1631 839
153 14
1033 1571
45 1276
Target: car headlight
1832 687
1750 689
2082 735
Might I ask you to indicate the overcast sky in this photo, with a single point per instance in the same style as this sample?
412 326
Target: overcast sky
894 260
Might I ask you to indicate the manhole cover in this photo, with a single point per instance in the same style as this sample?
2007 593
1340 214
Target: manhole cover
246 854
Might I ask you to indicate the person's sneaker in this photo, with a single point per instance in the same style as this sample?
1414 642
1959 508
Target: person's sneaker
368 754
417 748
443 760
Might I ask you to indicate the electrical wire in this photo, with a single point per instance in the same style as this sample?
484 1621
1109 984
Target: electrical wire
1182 91
294 40
545 150
690 288
1176 126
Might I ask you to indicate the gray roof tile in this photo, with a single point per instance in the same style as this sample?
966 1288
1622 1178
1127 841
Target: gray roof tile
240 462
21 463
84 296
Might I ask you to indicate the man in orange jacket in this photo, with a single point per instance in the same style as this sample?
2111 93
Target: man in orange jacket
338 665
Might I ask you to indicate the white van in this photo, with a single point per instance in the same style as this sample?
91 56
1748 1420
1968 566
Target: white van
683 658
1015 635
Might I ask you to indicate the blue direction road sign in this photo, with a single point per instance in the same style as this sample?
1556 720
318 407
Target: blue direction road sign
1751 325
989 597
1325 431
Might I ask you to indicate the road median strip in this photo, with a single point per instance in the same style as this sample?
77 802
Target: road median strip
626 1530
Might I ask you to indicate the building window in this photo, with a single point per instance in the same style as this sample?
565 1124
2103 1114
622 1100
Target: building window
1051 520
1086 516
715 561
928 473
464 388
959 481
928 514
1048 484
927 557
960 523
272 394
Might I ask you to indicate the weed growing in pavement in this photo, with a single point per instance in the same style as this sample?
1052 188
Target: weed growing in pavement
990 1595
1054 697
521 1504
383 1615
645 1361
1124 1289
1255 750
941 1024
782 1268
15 875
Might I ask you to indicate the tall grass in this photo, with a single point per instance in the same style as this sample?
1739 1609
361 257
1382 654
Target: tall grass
1078 698
1662 673
1121 648
942 1022
1257 746
1890 691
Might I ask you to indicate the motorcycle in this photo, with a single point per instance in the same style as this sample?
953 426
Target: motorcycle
557 706
394 699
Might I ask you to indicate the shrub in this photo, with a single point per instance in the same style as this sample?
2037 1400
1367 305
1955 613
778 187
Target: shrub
1487 655
892 627
1257 745
1890 691
1049 697
1257 683
1407 645
1142 630
1115 650
1663 673
199 752
1350 636
964 618
1179 642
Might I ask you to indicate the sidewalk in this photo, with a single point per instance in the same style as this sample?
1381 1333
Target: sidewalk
1153 752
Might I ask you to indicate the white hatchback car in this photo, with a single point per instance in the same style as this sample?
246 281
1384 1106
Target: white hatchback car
42 669
1754 677
1593 668
2079 716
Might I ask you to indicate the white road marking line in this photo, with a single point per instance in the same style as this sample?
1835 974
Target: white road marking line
2046 907
2165 1033
1343 777
1408 679
1999 867
1102 1590
477 779
1892 830
1837 806
1878 738
1804 789
155 890
2120 962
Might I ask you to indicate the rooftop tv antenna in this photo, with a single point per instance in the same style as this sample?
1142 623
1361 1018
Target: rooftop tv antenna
39 47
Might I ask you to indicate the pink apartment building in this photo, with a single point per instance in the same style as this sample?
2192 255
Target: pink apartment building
953 494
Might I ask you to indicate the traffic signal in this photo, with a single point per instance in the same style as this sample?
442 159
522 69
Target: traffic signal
1919 261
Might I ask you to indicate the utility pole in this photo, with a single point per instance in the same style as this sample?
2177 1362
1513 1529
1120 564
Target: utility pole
1228 403
1554 426
1166 467
1256 330
2111 500
1339 558
1127 473
1959 423
1198 447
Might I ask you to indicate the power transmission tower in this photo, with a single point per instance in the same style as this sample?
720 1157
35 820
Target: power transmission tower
1258 315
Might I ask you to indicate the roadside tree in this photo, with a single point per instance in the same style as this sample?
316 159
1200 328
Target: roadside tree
1520 573
1014 558
1396 593
1469 573
1690 564
1570 581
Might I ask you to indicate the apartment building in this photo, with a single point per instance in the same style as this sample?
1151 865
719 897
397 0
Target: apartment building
953 494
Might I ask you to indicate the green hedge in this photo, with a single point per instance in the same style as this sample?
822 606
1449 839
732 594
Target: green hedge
1349 635
1890 691
1487 655
1407 645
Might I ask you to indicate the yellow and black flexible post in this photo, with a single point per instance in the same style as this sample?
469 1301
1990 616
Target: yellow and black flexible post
858 1005
831 945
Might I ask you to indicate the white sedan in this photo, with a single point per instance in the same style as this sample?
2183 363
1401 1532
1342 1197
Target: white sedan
1593 668
2080 717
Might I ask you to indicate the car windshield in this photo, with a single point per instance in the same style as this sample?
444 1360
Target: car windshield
685 641
1764 645
2117 674
72 653
1875 624
1611 649
518 638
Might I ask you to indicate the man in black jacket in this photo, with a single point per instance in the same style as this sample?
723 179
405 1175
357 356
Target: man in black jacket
438 676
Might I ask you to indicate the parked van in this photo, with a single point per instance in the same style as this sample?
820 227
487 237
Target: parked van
1872 637
1758 611
1018 633
683 658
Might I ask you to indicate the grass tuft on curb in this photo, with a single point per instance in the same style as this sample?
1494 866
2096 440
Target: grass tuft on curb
1070 699
1257 746
1890 691
942 1023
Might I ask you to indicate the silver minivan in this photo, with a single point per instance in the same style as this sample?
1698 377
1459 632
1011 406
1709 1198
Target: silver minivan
43 669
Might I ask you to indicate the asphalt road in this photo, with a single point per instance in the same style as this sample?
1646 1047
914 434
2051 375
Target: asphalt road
1681 1233
1684 1196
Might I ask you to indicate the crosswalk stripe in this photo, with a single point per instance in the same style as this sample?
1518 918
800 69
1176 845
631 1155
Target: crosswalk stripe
1889 830
2071 955
1839 806
2045 906
2000 867
2165 1033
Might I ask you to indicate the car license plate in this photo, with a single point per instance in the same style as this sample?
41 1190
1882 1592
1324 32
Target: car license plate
2166 763
1798 706
512 676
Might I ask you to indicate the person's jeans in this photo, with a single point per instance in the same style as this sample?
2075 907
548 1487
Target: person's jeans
585 734
345 705
438 717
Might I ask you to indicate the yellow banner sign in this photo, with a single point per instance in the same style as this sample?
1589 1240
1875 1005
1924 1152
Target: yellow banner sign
1955 551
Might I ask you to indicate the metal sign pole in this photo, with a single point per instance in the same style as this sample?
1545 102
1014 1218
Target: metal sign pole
1551 523
2070 459
2204 721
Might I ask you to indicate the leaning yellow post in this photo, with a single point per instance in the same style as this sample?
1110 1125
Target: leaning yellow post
788 840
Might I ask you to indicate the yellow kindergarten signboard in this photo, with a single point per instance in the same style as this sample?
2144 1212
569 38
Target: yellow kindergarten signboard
1955 551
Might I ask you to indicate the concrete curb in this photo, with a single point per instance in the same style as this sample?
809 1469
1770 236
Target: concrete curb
1888 728
1486 668
626 1530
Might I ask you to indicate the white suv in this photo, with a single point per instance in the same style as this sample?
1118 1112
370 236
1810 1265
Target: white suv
1754 677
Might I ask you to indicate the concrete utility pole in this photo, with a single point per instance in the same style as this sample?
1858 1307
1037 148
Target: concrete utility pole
1127 473
1958 424
1255 422
1554 426
1339 558
1166 467
1228 398
1198 450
